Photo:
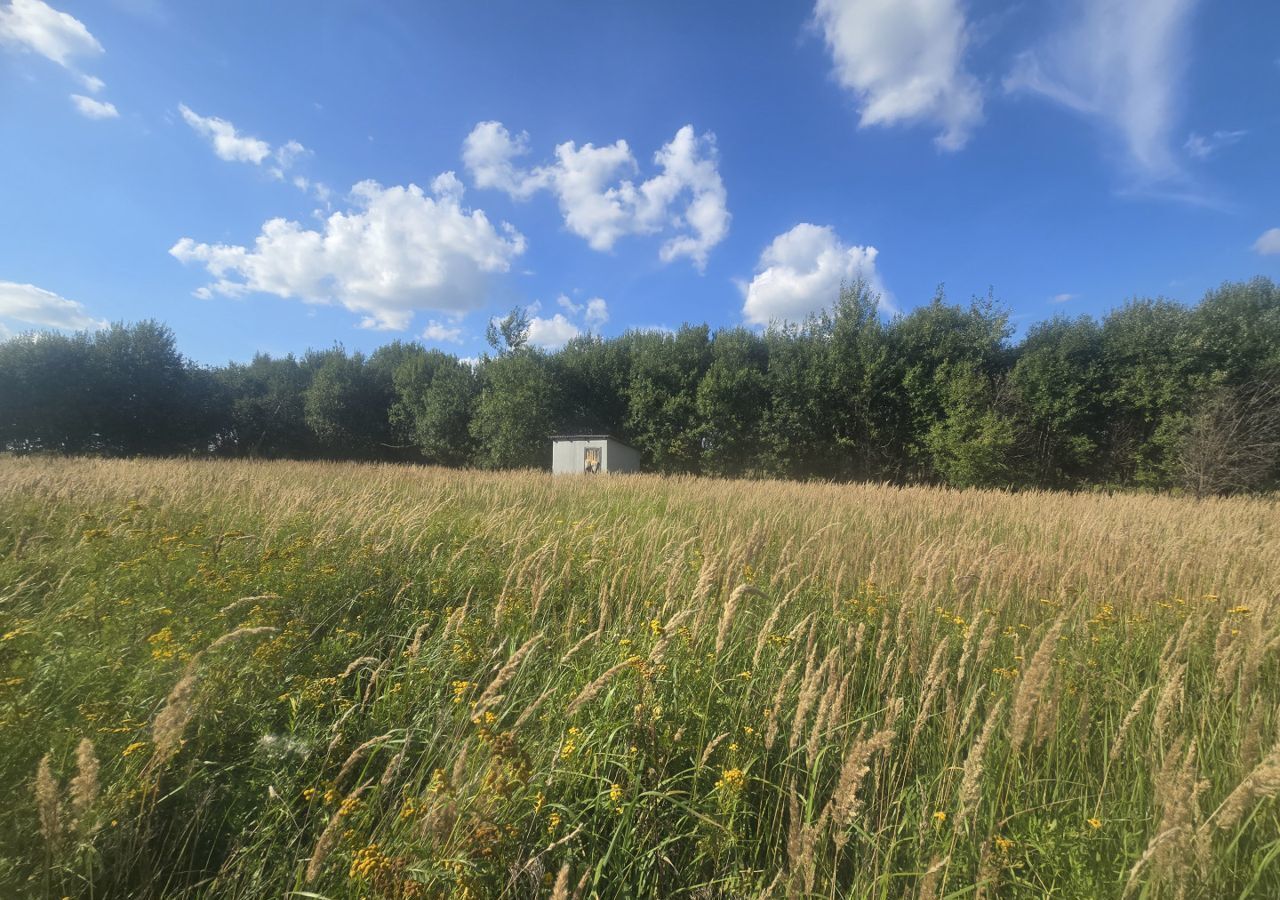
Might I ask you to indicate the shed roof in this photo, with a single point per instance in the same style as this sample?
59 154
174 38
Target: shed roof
584 437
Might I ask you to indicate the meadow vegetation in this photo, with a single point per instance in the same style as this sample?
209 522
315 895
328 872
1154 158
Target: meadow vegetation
240 679
1155 395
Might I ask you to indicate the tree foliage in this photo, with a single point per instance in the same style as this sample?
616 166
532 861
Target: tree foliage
1154 395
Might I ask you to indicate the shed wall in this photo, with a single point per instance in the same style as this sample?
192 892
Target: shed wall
620 458
568 457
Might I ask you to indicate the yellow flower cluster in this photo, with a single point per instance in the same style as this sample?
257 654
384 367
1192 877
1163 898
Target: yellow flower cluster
368 861
349 805
570 745
731 780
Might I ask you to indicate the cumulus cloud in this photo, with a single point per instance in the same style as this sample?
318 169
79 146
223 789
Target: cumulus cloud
396 251
599 199
228 143
904 61
1121 65
92 83
552 333
1269 243
801 271
31 305
597 312
440 333
490 153
1198 146
39 28
94 109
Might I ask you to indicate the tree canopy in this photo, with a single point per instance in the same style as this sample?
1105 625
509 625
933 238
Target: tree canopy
1156 394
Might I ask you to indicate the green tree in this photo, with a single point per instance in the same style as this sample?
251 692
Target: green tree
1150 362
928 344
731 400
519 408
347 405
267 415
435 401
971 445
510 333
47 393
141 392
1057 387
662 405
864 388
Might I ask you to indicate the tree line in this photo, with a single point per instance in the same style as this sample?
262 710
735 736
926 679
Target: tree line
1155 394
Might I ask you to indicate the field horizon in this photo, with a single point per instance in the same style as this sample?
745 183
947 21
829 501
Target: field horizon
236 679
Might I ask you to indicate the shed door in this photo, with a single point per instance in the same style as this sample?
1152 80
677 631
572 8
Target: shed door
591 460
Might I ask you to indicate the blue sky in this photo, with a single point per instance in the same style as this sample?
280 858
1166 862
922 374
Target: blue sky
273 176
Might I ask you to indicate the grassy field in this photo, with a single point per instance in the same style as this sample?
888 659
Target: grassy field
263 680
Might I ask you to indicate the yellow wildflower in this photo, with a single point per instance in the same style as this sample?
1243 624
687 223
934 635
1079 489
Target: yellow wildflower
731 780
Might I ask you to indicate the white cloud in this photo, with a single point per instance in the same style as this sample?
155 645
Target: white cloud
35 306
227 143
489 153
1061 298
598 199
801 271
1269 243
1120 64
92 83
94 109
439 332
1200 147
904 60
551 333
395 252
38 27
597 312
596 309
285 156
571 307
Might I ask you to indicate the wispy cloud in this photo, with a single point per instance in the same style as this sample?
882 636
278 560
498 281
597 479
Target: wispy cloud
39 28
1269 243
32 305
1199 146
438 332
227 141
1120 65
36 27
94 109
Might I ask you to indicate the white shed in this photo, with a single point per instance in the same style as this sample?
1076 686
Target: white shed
591 454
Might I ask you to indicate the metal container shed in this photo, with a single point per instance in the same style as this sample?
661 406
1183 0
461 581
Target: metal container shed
591 454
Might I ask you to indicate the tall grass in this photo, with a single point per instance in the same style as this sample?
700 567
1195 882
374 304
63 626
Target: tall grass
245 680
